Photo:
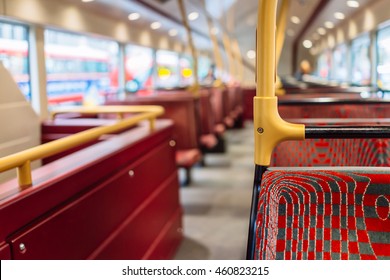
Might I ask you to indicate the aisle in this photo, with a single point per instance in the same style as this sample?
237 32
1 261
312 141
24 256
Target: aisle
216 206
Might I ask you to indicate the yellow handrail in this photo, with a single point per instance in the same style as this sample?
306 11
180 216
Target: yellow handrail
22 160
216 50
238 56
269 128
195 86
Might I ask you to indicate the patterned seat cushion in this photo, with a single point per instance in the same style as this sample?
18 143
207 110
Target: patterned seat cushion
335 111
333 152
314 214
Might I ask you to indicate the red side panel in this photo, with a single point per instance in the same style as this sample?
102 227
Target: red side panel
134 237
5 252
84 223
248 95
85 202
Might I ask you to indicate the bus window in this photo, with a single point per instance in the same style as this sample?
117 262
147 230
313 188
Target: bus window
80 69
360 62
139 69
186 70
383 68
204 66
324 65
14 54
340 67
167 64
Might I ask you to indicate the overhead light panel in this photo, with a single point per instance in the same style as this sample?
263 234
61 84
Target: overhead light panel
353 4
339 15
295 19
134 16
329 24
307 44
155 25
251 54
173 32
321 31
193 16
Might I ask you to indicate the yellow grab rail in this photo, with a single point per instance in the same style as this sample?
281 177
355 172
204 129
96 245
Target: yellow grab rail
216 50
194 54
229 52
269 128
22 160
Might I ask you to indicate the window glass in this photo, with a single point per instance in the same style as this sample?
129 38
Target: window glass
14 51
139 68
80 69
340 66
167 69
204 67
360 63
383 67
186 70
324 65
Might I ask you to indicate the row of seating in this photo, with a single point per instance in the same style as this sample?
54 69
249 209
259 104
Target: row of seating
306 209
99 202
91 202
200 124
200 121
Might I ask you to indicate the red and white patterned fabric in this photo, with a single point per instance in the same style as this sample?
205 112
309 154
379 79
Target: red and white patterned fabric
323 214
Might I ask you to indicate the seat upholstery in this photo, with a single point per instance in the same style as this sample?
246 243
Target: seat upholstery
333 152
324 214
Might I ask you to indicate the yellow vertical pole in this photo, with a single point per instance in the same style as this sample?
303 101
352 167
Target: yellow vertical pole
265 49
269 128
238 56
229 52
240 62
214 40
191 45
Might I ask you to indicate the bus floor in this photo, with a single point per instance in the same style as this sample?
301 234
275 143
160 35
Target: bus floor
217 203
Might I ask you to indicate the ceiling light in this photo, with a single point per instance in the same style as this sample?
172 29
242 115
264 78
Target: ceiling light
290 32
307 44
251 54
353 4
173 32
155 25
134 16
86 1
295 20
329 24
193 16
321 31
339 15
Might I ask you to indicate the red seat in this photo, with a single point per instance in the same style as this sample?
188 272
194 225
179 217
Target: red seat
181 108
324 214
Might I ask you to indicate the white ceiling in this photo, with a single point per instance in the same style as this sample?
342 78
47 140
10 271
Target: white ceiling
237 18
